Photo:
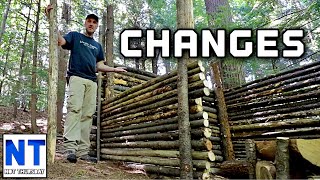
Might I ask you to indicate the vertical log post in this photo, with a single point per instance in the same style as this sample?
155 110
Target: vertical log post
251 157
53 83
184 20
222 111
109 51
282 158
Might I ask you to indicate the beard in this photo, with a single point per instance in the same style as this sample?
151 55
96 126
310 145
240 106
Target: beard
89 33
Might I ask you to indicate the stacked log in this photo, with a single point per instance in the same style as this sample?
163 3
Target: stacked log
140 124
286 105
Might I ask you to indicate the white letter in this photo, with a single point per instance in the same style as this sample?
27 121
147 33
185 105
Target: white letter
293 43
162 43
218 48
234 51
179 45
124 43
262 43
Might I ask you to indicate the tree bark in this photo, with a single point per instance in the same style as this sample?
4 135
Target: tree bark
4 70
282 158
109 51
53 80
34 73
223 116
18 83
4 20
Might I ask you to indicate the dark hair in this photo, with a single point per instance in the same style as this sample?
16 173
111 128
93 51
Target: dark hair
92 16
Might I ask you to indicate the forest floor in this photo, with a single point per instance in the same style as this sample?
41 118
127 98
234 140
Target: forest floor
62 169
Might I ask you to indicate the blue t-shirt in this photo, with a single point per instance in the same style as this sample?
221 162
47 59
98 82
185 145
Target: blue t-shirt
85 53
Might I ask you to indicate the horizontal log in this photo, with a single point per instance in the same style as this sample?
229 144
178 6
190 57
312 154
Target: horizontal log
193 123
199 115
156 160
137 76
273 78
209 155
160 103
268 101
137 71
120 88
197 145
209 99
163 115
201 132
289 87
165 170
283 133
233 169
307 122
123 82
143 88
285 108
277 85
292 115
149 112
128 78
144 132
142 137
210 109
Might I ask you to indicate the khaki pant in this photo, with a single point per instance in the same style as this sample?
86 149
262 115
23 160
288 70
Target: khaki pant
81 107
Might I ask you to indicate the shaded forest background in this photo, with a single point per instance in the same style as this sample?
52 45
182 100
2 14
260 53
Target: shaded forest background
24 39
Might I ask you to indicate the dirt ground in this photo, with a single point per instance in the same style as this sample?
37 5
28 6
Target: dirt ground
62 169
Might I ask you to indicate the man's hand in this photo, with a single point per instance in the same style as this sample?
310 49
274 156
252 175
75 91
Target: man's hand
120 69
47 10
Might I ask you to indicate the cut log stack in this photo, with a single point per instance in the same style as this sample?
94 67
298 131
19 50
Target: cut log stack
123 81
282 105
140 125
286 104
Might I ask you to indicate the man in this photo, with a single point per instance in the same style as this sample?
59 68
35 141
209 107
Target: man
86 57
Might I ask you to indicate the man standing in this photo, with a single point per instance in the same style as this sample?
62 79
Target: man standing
86 57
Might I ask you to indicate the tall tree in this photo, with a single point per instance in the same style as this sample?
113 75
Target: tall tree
18 83
184 20
219 13
63 61
4 19
53 81
5 66
34 73
109 50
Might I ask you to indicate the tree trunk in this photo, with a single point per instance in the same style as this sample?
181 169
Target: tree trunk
53 81
282 158
4 70
63 62
109 51
155 62
223 116
18 85
4 20
184 20
34 73
231 69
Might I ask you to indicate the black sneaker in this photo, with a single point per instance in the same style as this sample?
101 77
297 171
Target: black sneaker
70 156
88 158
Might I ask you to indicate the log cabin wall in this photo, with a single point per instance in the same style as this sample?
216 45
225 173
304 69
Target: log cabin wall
140 126
285 104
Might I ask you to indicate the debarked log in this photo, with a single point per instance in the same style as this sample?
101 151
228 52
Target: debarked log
128 78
